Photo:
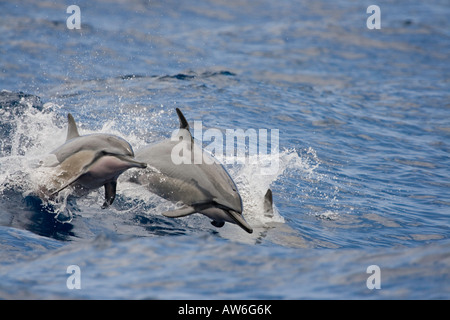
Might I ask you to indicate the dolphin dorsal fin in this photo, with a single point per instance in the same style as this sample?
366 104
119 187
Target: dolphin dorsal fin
184 125
72 131
183 122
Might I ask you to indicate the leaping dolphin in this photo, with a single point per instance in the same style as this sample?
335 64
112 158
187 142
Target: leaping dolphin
204 187
91 161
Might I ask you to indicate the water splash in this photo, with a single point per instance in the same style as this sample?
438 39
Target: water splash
253 182
35 133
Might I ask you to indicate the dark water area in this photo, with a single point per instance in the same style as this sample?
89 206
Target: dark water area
363 167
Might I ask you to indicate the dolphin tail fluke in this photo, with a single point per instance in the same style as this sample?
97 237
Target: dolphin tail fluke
72 130
240 221
177 213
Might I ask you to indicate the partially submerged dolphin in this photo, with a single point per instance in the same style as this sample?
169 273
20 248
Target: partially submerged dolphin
204 187
91 161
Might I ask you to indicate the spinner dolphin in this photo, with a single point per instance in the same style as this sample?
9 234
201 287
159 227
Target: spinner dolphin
90 162
204 187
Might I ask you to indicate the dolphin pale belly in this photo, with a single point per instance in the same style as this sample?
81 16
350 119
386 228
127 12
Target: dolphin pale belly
204 187
91 161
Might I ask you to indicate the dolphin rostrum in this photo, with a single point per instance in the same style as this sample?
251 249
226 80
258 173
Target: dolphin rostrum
203 187
91 161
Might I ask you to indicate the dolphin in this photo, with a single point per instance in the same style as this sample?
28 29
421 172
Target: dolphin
91 161
204 187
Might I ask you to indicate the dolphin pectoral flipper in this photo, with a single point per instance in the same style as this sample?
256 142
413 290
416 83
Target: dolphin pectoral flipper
110 193
183 211
67 184
217 224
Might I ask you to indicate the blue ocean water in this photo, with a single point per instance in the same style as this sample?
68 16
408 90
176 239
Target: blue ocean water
364 126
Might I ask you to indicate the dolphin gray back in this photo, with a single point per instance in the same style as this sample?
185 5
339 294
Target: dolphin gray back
108 143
